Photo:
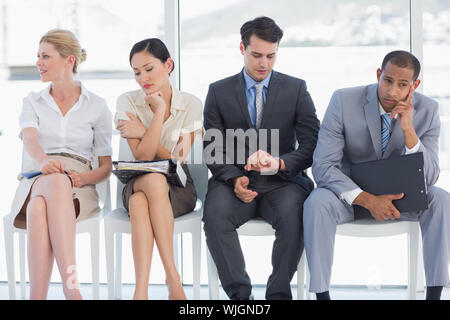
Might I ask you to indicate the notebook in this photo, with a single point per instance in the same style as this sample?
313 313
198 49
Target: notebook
32 174
171 168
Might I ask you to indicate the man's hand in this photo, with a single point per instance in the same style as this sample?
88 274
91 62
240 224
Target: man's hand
404 112
380 207
132 129
241 191
263 162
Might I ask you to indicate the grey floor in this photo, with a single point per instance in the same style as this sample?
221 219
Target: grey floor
159 292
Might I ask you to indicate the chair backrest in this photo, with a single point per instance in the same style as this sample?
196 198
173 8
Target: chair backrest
124 154
28 164
194 160
103 189
198 169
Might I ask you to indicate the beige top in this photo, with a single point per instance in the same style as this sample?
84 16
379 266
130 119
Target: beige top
185 115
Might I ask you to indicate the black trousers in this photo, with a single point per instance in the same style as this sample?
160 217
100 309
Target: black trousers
280 203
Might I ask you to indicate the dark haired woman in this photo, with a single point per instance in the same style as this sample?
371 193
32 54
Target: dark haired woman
159 122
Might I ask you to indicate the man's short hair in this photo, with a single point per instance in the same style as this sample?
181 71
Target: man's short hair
402 59
264 28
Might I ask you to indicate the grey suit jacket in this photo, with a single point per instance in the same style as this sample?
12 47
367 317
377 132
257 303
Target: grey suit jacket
351 133
288 108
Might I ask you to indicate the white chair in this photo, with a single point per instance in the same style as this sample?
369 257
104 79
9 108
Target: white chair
117 223
90 225
253 227
370 228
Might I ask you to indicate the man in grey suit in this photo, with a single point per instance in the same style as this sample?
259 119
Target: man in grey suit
269 182
378 121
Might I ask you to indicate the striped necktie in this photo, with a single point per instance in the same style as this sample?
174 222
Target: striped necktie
385 130
259 103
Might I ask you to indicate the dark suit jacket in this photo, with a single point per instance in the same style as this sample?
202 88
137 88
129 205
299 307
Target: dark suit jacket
288 107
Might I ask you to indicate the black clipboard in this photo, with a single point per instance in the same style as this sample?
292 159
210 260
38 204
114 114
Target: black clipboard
392 176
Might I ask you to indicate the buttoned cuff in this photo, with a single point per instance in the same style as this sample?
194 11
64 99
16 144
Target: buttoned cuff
413 149
351 195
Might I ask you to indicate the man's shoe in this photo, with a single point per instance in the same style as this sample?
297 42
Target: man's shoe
244 298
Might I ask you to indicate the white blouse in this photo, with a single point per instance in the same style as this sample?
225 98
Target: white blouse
185 115
85 130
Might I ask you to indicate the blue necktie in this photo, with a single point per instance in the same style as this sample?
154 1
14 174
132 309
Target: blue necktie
385 130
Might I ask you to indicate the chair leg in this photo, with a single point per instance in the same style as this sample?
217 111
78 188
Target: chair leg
118 268
95 252
196 260
213 278
9 252
309 295
301 277
413 250
420 291
109 251
22 262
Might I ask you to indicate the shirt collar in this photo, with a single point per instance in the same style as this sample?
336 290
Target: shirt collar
249 82
46 92
176 102
84 91
381 109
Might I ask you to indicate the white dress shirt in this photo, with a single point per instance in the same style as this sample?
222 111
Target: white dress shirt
351 195
85 130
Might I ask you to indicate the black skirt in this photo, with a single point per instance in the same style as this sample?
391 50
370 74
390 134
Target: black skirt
182 200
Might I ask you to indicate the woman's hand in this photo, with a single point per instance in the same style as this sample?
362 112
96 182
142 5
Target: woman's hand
50 166
156 102
76 177
132 129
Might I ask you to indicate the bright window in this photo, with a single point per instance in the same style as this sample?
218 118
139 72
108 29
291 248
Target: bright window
106 30
330 44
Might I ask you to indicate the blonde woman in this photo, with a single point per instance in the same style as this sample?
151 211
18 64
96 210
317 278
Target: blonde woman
159 122
63 128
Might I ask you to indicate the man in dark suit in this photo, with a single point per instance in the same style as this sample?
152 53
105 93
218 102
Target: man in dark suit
261 114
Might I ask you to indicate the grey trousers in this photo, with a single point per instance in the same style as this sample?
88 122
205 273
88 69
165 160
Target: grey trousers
323 211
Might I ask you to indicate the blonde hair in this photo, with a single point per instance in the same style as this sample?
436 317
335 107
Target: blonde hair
66 44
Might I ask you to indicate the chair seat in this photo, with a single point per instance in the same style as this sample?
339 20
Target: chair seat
188 222
256 227
86 224
373 228
119 214
119 219
7 221
81 226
